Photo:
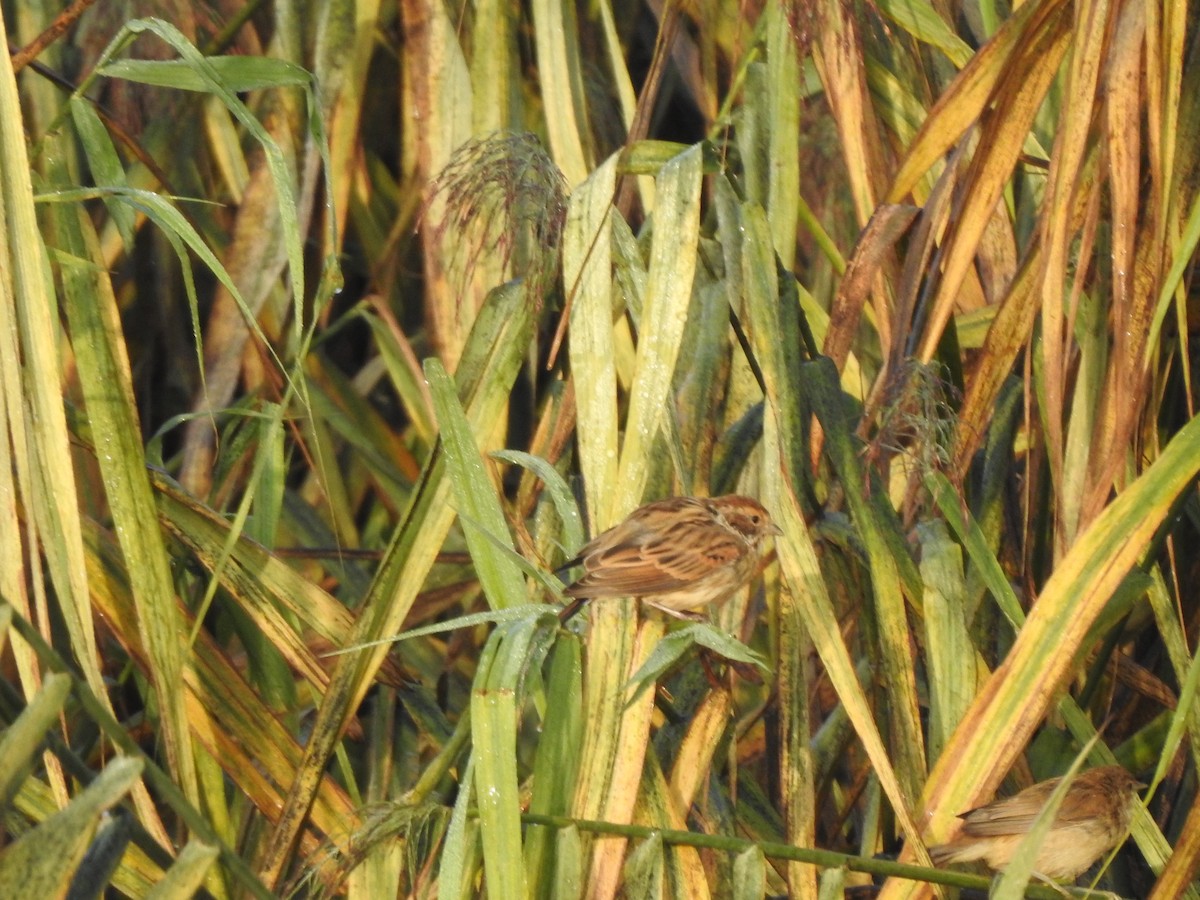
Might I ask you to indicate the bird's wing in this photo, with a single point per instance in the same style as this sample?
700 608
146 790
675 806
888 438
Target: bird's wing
1013 815
636 560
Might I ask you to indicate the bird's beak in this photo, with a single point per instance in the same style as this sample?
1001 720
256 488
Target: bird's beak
774 529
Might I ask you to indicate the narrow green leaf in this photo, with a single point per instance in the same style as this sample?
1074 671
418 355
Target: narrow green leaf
37 458
560 66
186 875
950 655
749 875
21 741
106 381
673 260
556 764
457 844
239 74
180 232
783 100
645 868
474 495
105 164
587 276
560 493
922 21
494 739
967 530
675 645
42 861
568 865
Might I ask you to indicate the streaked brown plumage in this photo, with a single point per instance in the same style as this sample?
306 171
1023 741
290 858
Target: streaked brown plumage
678 555
1093 818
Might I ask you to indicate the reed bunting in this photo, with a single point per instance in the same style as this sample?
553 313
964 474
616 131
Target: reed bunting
1093 818
677 555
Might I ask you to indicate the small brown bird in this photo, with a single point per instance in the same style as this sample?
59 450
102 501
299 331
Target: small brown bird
1092 819
678 555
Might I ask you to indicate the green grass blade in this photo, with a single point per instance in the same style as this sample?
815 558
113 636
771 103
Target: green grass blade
475 496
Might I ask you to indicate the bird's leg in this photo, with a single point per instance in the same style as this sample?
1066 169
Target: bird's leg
677 613
714 680
1052 883
1090 891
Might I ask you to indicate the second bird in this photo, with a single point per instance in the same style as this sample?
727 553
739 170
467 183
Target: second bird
1093 818
678 555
